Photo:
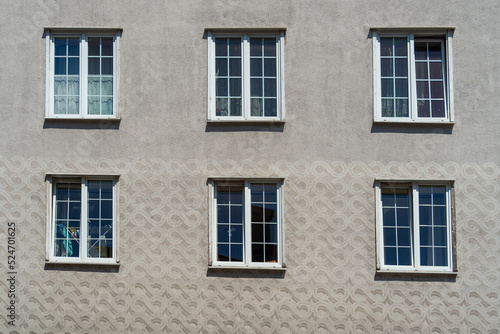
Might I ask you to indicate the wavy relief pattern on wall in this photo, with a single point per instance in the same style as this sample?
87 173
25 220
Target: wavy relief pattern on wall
330 285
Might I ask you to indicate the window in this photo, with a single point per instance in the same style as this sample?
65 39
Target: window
414 226
82 75
246 223
245 77
413 76
82 224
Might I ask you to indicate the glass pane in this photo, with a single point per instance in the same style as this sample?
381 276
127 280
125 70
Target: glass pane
256 47
257 232
401 67
257 192
387 88
420 51
256 67
439 195
421 71
257 253
235 105
256 107
269 47
257 213
107 85
270 108
401 87
74 209
386 67
106 209
221 47
221 67
107 66
94 228
387 108
389 217
390 256
271 253
389 236
73 66
94 66
440 236
404 237
386 46
402 108
107 46
422 89
436 70
61 210
426 256
74 86
423 109
256 87
93 208
403 216
107 106
270 213
388 198
236 195
59 85
271 231
93 189
59 105
434 50
94 46
425 236
425 215
107 228
270 87
94 105
400 46
234 87
222 233
437 90
236 253
270 191
440 256
222 214
439 215
221 88
59 65
235 67
73 105
236 233
270 67
60 46
223 252
236 214
94 86
222 105
234 47
404 256
402 197
424 195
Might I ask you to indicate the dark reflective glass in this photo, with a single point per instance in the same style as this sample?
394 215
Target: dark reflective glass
62 210
107 66
400 47
75 193
236 195
74 210
440 256
270 107
439 195
222 233
404 256
420 51
270 87
390 256
94 209
438 108
94 66
257 213
222 107
73 47
269 47
94 228
271 231
421 71
237 253
424 195
423 109
255 67
59 66
234 47
221 87
422 89
60 46
257 253
235 67
425 217
222 195
256 88
439 215
107 46
403 217
440 236
434 50
93 188
402 108
62 191
223 252
107 228
256 106
106 189
73 66
436 70
389 217
402 198
387 108
106 209
234 87
257 192
222 214
236 214
236 233
389 236
270 67
221 47
401 87
386 46
401 67
426 256
271 253
404 236
437 91
386 67
257 232
425 236
388 197
387 88
270 213
221 67
235 107
256 47
94 46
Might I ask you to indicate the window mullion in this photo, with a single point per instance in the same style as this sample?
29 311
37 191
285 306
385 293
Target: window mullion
245 61
247 223
412 99
84 220
416 229
84 75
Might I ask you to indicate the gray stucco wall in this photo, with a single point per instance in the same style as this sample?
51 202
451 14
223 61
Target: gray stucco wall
329 152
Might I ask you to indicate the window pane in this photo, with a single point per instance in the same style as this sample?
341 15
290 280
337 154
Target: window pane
94 46
234 47
74 86
93 209
237 252
257 232
107 46
271 233
389 217
426 256
257 253
440 256
270 213
436 70
402 108
439 195
107 85
386 46
59 66
234 87
270 108
94 87
235 66
222 233
107 66
222 107
73 66
425 236
59 105
439 215
269 47
403 217
387 108
74 210
73 107
401 67
420 51
404 256
271 253
223 252
106 209
270 192
401 87
60 85
390 256
221 67
94 228
236 233
402 197
387 88
256 107
257 213
421 70
440 236
222 214
424 195
389 236
236 214
270 67
422 89
94 104
423 109
438 108
235 107
403 237
270 87
60 46
221 87
94 66
256 87
256 47
386 67
256 67
425 215
400 46
434 50
221 47
257 192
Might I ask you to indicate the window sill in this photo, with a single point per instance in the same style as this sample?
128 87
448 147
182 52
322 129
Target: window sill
222 267
415 272
82 118
223 120
416 121
81 263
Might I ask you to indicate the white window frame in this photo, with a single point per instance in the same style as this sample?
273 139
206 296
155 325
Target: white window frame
247 242
446 37
83 35
413 186
245 74
52 180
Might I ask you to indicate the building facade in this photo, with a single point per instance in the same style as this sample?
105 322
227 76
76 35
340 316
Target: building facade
230 167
